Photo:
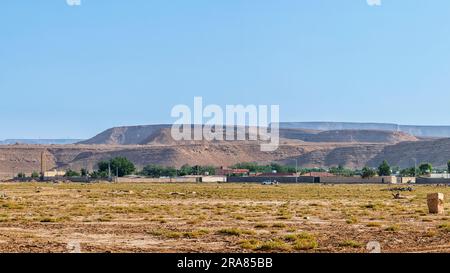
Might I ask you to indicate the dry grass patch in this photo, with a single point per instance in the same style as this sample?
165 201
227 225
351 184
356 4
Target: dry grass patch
351 243
393 228
373 224
444 227
234 232
279 225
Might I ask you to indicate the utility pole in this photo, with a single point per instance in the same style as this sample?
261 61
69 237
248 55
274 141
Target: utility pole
296 170
415 167
109 170
43 166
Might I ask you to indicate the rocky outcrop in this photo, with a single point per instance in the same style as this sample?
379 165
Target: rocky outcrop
407 154
415 130
367 136
161 135
127 135
154 145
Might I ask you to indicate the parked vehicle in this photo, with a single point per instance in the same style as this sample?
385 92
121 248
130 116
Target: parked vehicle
268 182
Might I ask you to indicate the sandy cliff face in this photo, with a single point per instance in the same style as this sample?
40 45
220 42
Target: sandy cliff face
415 130
27 159
161 135
154 145
436 152
368 136
127 135
18 158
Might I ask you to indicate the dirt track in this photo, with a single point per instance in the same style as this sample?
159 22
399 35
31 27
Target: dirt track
217 218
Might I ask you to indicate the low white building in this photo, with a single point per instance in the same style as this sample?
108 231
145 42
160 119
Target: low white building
54 173
439 175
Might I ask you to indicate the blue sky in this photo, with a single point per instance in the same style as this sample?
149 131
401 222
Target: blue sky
71 72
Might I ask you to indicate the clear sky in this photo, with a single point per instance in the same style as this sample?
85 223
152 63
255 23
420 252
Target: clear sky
71 72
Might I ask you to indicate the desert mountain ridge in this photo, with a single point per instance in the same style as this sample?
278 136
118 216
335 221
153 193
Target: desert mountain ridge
161 134
153 144
425 131
39 141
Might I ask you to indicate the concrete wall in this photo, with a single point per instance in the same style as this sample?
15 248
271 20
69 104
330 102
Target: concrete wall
5 176
439 175
214 179
260 179
405 180
54 173
192 179
310 179
78 179
158 180
426 180
359 180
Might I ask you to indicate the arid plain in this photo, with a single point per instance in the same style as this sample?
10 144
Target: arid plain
108 217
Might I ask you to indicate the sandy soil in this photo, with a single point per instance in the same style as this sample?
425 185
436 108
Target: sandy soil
217 218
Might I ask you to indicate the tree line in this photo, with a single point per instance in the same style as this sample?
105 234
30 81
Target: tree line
386 170
121 166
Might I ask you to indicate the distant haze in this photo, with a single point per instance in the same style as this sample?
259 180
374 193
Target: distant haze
415 130
39 141
71 72
144 131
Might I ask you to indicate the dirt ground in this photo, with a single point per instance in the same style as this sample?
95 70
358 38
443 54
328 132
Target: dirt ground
218 218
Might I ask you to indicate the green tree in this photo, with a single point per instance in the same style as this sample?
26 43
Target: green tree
197 170
368 172
185 170
342 171
120 165
384 169
448 166
35 175
409 172
251 166
425 168
71 173
21 175
255 168
104 166
152 171
211 170
161 171
99 175
84 172
395 169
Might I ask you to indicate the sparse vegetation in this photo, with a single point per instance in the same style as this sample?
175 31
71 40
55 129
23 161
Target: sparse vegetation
425 168
393 228
71 173
368 172
234 231
119 166
228 217
444 227
384 169
35 175
374 224
342 171
351 243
